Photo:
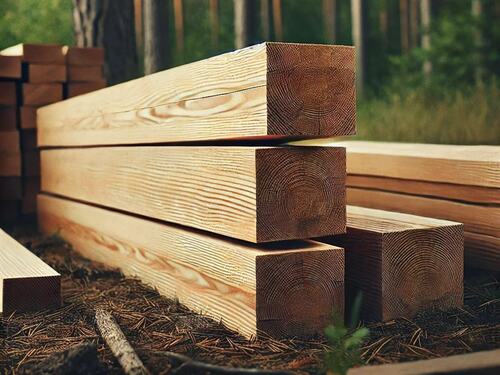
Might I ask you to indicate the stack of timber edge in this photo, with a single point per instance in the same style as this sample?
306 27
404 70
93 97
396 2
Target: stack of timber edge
241 195
26 282
402 264
459 183
85 70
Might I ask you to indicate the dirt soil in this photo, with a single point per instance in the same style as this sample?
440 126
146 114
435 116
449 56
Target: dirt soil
154 324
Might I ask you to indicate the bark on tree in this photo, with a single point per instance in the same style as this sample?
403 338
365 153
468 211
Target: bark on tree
414 23
155 35
358 36
138 22
425 15
108 24
403 16
214 22
179 26
277 20
330 19
265 19
244 23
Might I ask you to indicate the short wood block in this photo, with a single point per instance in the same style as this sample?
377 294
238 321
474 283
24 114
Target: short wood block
11 188
37 53
40 73
26 282
8 118
27 117
10 164
8 93
257 194
80 88
10 141
84 56
282 289
267 91
86 73
39 94
10 67
402 264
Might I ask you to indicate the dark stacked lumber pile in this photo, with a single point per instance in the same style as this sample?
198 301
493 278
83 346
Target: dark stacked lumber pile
459 183
178 184
85 67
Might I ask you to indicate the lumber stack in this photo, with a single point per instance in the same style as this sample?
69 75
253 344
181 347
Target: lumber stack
179 185
85 67
458 183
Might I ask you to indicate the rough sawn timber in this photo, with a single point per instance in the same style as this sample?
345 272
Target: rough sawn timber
401 263
283 289
257 194
271 90
26 282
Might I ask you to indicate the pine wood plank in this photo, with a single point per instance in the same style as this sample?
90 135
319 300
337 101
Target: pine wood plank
80 88
402 264
11 188
269 90
10 141
26 282
8 93
84 56
8 118
484 363
37 53
257 194
86 73
481 223
462 193
41 73
38 94
10 163
27 116
10 67
283 289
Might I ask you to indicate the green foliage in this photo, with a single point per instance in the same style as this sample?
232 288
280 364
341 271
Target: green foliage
345 343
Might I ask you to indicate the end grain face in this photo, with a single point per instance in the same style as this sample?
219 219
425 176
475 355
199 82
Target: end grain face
10 67
39 94
84 56
37 53
300 192
311 90
297 292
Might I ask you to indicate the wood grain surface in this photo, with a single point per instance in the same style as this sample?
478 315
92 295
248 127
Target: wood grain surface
8 93
84 56
86 73
42 73
269 90
8 118
402 264
258 194
38 94
26 282
27 117
10 141
10 67
37 53
481 220
80 88
284 289
10 163
461 193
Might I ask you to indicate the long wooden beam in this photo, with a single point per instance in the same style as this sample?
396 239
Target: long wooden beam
481 223
282 289
402 264
268 90
257 194
26 282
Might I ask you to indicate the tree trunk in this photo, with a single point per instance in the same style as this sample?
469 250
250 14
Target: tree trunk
138 22
358 36
108 24
383 19
214 22
330 19
155 36
414 23
265 19
477 11
425 16
277 20
244 23
403 16
179 26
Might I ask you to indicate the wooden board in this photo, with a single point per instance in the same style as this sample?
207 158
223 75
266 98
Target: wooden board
10 67
283 289
27 116
83 56
8 93
462 193
86 73
11 188
28 139
40 73
9 141
8 118
272 90
80 88
481 220
483 363
402 264
26 282
256 194
37 53
31 163
10 163
38 94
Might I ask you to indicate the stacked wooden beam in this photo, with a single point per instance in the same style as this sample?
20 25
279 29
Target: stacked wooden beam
85 70
459 183
179 185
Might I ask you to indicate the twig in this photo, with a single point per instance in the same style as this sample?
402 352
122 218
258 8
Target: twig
117 342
